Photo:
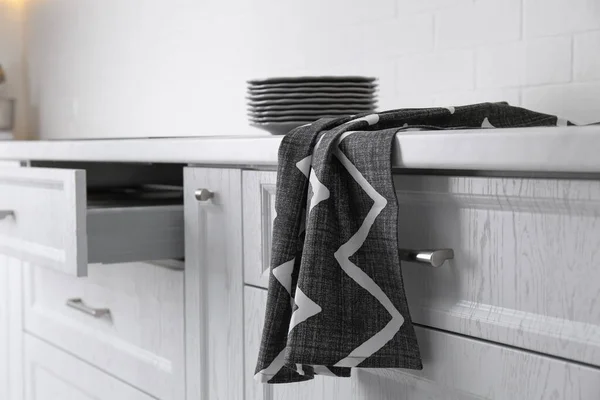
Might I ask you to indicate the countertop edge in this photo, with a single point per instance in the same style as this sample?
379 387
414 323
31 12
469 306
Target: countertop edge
559 149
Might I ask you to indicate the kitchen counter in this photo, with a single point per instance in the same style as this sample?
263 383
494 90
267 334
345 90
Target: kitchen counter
520 208
556 149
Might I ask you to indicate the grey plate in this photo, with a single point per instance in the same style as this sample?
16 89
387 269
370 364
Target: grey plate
282 119
313 100
281 96
313 89
279 128
312 113
302 79
363 85
308 106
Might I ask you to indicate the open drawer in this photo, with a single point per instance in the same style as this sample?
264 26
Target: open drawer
45 218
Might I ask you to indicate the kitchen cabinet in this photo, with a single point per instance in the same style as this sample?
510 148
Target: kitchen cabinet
122 319
524 271
167 301
523 277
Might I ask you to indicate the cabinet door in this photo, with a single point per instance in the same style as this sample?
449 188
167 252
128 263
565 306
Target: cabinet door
213 284
52 374
259 213
320 388
11 325
4 326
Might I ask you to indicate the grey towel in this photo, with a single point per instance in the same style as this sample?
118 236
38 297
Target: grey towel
336 298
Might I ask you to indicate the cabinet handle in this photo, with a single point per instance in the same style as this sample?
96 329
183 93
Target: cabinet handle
204 194
435 258
6 213
79 305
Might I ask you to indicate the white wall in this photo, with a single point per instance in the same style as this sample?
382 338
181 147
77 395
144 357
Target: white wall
108 68
11 54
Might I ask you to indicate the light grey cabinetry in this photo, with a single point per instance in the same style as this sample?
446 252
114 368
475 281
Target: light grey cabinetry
213 284
513 315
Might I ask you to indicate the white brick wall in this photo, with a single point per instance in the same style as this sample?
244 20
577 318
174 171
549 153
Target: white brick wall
185 62
534 62
586 55
560 17
479 23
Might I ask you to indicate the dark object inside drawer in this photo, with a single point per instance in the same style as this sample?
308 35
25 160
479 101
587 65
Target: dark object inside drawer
135 196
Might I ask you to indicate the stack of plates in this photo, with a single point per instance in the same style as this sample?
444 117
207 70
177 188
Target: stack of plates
278 105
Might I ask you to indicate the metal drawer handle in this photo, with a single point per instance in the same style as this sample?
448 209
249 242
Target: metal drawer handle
204 194
79 305
6 213
435 258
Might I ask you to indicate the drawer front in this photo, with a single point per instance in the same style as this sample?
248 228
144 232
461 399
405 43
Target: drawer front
460 368
454 368
140 340
51 374
525 271
526 261
43 217
259 213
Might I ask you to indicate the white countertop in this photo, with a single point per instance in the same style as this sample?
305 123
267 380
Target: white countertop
556 149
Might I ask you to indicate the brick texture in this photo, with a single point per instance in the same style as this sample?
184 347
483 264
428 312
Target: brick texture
578 102
587 57
557 17
536 62
543 54
479 23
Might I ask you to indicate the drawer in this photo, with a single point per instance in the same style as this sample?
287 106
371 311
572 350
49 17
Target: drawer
526 262
51 374
525 271
46 219
461 368
454 368
140 340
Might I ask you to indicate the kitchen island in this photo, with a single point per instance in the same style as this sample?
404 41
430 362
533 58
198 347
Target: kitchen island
166 299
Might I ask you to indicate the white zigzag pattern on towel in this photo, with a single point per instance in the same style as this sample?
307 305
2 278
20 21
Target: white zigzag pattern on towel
283 273
266 374
342 256
304 165
486 123
320 192
306 309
